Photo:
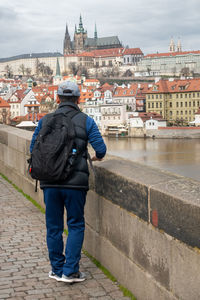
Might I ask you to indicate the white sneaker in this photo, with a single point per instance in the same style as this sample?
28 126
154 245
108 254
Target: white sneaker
54 276
75 277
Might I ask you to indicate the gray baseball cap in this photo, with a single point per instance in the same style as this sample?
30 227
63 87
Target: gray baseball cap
68 88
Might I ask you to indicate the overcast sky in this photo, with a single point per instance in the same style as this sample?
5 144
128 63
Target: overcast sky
39 26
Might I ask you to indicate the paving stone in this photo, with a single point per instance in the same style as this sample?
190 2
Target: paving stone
24 257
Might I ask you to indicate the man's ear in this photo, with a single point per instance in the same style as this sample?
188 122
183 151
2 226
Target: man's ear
78 100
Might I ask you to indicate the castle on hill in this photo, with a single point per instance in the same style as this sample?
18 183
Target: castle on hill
82 42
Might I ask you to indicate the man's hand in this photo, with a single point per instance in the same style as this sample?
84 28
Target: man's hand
94 158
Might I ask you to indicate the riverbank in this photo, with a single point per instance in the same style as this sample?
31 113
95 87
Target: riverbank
166 133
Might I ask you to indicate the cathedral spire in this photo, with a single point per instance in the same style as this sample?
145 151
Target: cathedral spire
81 23
67 42
57 68
66 31
95 31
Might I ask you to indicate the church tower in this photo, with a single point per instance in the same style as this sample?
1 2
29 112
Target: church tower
172 46
67 47
95 32
179 46
80 36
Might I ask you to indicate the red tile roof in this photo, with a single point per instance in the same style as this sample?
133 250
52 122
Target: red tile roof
3 103
112 52
86 95
171 54
176 86
134 51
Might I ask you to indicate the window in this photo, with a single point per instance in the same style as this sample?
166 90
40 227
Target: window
185 95
193 103
186 112
156 96
152 96
185 104
181 112
156 104
181 104
177 104
160 96
170 96
181 95
194 95
152 105
149 105
189 95
160 104
177 112
189 104
176 95
170 104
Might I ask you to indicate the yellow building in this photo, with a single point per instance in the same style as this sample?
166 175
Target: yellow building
176 100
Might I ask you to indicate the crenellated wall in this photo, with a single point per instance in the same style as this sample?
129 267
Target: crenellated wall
143 224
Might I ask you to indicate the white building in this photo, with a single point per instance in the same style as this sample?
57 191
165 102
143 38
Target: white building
112 114
135 121
155 123
170 63
126 95
29 99
92 108
196 121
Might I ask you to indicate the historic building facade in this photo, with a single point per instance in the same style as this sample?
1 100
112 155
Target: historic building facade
82 42
177 101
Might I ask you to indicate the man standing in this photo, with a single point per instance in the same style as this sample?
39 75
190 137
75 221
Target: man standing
70 193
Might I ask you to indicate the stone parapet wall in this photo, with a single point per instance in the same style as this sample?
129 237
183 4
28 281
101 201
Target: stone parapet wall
190 133
141 223
166 133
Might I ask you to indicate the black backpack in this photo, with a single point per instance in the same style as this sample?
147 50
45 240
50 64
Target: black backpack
54 152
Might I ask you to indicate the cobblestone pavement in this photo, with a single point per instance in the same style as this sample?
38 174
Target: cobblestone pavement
24 264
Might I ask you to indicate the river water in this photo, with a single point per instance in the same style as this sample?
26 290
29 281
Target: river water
180 156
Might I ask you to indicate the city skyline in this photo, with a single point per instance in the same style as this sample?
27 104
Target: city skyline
40 27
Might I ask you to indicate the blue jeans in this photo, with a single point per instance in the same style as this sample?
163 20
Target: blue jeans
56 199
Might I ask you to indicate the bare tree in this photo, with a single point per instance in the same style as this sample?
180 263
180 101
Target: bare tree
48 71
128 73
27 71
73 68
9 72
22 69
185 71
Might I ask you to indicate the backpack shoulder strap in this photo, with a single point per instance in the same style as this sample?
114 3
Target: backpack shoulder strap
72 113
